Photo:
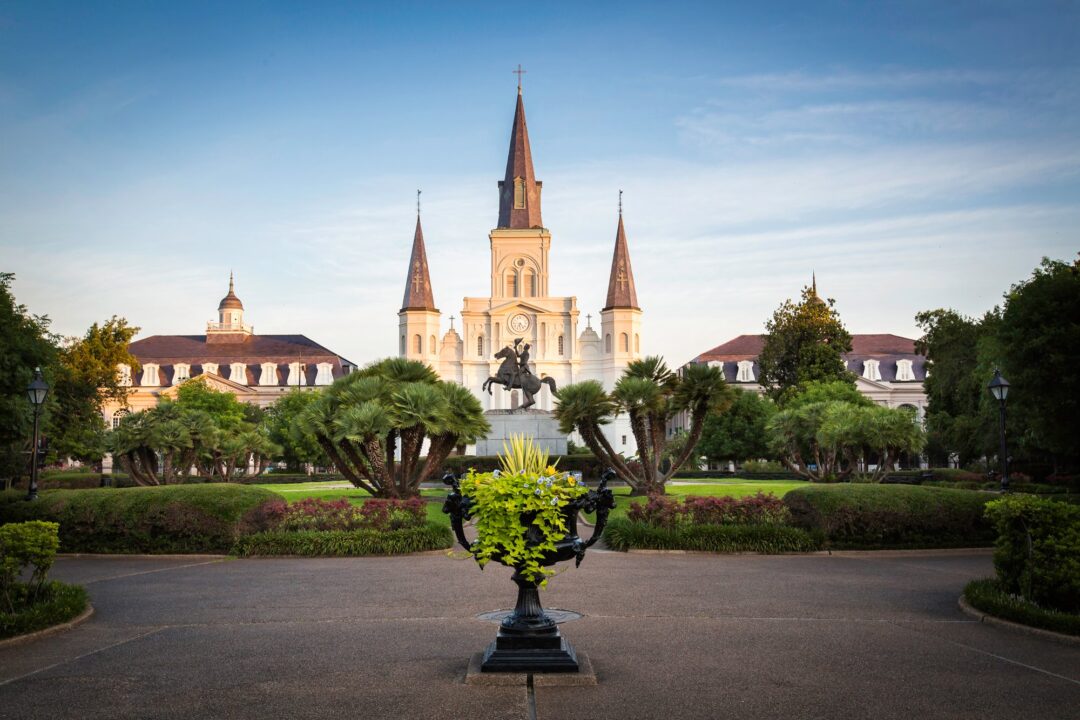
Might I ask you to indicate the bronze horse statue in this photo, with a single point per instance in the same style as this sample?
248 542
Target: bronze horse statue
510 375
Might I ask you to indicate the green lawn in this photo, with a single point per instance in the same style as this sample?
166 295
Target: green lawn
730 487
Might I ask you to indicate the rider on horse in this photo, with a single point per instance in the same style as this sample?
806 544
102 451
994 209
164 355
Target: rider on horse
522 362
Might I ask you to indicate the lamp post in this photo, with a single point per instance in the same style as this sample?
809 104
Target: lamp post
999 388
37 390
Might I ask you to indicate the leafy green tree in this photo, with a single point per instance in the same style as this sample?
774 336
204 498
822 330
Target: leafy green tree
650 394
223 408
286 430
24 344
738 433
361 420
86 376
804 343
1039 345
869 435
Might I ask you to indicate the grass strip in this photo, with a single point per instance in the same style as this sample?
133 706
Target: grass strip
987 595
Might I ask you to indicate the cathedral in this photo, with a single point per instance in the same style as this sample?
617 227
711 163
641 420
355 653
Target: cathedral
520 308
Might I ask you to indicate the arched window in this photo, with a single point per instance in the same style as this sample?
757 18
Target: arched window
561 351
418 347
118 416
607 343
528 283
511 284
519 194
637 343
431 344
480 346
624 342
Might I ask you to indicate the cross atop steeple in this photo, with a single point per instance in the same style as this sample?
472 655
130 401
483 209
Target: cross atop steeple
588 322
417 202
620 203
519 72
451 323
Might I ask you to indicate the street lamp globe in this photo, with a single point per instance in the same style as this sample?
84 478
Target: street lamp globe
998 387
38 389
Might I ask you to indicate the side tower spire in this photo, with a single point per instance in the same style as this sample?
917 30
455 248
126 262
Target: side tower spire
519 190
620 320
418 319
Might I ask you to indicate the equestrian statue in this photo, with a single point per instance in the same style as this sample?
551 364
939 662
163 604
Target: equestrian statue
515 373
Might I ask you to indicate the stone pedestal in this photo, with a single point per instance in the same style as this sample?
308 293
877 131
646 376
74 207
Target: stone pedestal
540 425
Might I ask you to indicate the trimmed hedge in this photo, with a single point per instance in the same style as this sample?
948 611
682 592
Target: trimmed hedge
344 543
165 519
56 603
989 597
622 534
1037 553
873 517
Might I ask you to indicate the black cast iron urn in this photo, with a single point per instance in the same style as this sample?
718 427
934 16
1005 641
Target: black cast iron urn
529 640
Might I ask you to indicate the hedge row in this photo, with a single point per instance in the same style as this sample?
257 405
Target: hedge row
622 534
989 597
891 516
57 603
168 519
351 543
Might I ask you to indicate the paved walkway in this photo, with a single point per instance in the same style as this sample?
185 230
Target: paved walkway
670 636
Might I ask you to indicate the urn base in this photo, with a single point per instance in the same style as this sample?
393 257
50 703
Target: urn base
552 654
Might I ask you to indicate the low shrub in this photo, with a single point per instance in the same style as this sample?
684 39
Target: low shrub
740 474
323 515
624 534
166 519
891 516
590 467
991 598
342 543
957 475
663 511
1037 553
27 545
53 604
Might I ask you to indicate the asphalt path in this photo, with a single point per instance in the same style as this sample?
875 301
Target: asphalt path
856 635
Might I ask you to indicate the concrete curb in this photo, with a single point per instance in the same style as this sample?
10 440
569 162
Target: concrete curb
30 637
982 617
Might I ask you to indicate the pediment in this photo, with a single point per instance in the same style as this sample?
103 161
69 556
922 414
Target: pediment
521 305
212 381
861 382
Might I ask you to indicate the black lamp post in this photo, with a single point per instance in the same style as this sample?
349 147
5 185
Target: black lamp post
37 390
999 388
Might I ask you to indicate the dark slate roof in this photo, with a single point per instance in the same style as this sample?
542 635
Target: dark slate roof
621 291
519 165
166 351
883 347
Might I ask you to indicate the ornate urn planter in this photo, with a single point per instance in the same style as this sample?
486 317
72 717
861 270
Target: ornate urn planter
528 639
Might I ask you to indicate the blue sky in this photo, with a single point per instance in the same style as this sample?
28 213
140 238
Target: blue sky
913 155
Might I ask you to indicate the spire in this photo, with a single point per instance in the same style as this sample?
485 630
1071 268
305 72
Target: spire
418 281
230 301
519 191
813 286
621 292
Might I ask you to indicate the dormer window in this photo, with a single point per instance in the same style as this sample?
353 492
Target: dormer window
325 375
150 375
210 368
238 373
746 371
871 370
181 373
519 194
904 372
296 375
268 374
124 373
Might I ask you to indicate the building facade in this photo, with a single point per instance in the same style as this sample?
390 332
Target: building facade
230 357
519 305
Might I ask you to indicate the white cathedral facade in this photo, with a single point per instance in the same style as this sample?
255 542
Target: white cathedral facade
519 306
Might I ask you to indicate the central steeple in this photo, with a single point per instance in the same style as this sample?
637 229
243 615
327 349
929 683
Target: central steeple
519 190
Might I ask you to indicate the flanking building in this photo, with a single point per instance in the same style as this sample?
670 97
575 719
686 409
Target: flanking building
257 369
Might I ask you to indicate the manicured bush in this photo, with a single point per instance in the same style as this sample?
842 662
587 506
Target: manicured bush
664 511
1037 553
25 545
623 534
164 519
989 597
892 516
55 603
317 514
340 543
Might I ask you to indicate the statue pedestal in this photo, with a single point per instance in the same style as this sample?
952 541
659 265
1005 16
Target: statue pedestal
540 425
